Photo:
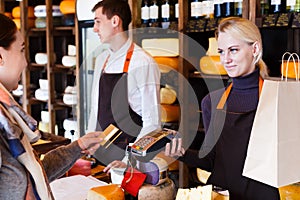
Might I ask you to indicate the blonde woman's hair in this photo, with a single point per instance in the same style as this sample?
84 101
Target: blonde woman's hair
246 31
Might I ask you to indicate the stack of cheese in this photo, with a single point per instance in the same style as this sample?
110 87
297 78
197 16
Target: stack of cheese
169 111
67 8
211 64
106 192
41 14
165 52
16 15
70 59
199 193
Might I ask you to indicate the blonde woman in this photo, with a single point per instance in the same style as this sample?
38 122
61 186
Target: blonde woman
228 114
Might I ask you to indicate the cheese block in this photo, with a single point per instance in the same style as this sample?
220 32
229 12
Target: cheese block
161 47
170 113
166 64
106 192
167 95
290 191
16 12
67 7
212 65
290 73
203 193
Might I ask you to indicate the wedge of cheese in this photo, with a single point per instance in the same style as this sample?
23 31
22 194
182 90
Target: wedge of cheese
203 193
106 192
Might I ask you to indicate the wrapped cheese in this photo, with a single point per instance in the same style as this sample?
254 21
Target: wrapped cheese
106 192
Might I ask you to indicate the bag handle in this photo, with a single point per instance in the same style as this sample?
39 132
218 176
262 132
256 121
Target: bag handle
296 68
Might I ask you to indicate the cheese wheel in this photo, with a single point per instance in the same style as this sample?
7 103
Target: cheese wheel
68 61
70 124
167 96
166 64
16 12
170 113
40 11
165 191
212 65
291 69
67 7
106 192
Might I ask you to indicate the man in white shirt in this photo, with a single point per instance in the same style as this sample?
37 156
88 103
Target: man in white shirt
126 83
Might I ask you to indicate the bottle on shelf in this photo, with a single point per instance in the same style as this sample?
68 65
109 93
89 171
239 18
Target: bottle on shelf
176 10
227 8
293 5
196 9
154 12
167 13
238 8
264 7
297 6
145 13
277 6
218 8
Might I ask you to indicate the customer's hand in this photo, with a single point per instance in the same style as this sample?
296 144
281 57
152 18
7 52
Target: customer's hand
114 164
174 149
90 142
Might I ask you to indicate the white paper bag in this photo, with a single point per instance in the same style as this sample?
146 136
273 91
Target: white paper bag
273 155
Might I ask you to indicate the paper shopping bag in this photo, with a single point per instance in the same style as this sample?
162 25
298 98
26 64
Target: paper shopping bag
273 155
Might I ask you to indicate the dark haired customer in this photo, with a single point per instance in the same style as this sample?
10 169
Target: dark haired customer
22 174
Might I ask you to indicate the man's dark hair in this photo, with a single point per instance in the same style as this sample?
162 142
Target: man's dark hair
115 7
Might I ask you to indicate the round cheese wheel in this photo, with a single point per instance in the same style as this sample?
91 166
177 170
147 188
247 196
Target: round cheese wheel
40 11
165 191
106 192
70 124
68 61
291 69
41 58
167 96
67 7
166 64
45 116
212 65
16 12
170 113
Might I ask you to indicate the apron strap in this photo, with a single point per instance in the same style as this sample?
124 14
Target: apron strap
225 95
128 58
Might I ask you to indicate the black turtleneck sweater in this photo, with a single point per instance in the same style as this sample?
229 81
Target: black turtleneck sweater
242 98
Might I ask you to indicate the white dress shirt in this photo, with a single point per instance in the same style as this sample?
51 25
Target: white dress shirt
143 85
